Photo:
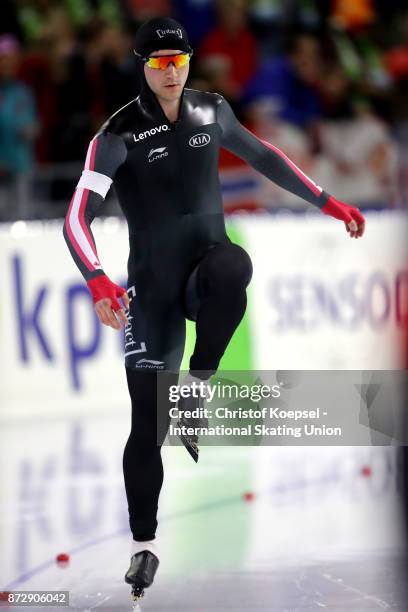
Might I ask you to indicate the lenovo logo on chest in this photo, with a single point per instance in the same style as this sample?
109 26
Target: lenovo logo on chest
199 140
152 132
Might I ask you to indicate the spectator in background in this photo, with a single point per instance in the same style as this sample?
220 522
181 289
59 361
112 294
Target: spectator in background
228 54
93 76
288 138
105 53
400 133
396 59
356 151
57 57
117 69
272 20
139 10
353 15
197 16
36 72
38 17
18 129
336 92
358 44
53 59
73 93
72 98
81 12
62 62
9 22
289 83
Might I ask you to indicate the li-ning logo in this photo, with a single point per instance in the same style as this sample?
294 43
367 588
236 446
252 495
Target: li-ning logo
199 140
150 363
161 33
161 152
152 132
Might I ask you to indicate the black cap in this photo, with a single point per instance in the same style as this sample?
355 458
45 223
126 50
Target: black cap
161 33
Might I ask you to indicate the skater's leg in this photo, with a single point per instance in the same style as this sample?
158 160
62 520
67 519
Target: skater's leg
216 300
154 345
142 462
219 283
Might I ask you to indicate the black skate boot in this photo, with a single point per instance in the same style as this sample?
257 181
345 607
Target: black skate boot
140 575
190 441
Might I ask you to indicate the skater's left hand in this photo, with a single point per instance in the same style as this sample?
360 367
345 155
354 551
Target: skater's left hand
352 217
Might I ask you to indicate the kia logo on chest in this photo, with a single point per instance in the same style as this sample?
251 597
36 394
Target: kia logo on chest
199 140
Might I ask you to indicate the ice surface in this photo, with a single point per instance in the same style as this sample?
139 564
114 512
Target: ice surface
319 534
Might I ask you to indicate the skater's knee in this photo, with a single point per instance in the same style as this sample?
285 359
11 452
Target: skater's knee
228 268
240 266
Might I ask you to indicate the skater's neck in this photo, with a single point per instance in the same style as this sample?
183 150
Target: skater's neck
171 108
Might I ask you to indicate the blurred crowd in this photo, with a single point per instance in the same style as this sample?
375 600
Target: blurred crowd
324 80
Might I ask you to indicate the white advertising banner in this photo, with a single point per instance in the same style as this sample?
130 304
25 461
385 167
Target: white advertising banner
317 300
321 300
54 353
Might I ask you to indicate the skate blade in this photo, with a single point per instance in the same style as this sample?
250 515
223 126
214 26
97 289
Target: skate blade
136 606
191 447
137 594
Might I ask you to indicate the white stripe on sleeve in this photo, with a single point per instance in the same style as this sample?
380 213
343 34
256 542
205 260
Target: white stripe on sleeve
95 181
78 232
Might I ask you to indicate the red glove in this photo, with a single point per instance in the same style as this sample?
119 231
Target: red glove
102 287
345 213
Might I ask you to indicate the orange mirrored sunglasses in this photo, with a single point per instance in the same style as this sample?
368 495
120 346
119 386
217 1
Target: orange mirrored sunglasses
163 61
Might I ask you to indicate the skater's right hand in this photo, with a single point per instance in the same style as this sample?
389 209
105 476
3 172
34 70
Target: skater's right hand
105 295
